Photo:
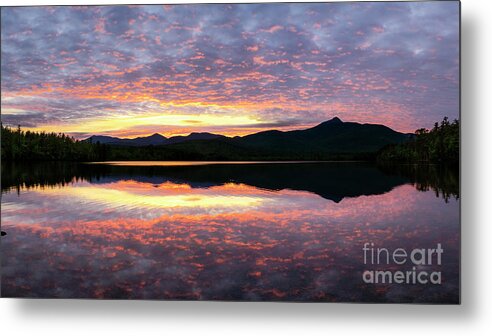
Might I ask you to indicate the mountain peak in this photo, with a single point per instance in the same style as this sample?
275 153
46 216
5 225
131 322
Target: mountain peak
335 120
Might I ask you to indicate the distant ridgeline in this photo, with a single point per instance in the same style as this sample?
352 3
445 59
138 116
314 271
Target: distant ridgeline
330 140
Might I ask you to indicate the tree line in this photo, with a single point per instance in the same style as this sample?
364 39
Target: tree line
441 144
19 145
438 145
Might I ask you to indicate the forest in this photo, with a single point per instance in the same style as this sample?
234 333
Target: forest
19 145
441 144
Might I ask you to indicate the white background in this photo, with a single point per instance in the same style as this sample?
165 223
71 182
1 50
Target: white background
473 317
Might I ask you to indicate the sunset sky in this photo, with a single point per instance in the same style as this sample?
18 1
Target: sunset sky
231 69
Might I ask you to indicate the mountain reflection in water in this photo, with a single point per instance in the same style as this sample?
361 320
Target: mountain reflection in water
259 231
333 181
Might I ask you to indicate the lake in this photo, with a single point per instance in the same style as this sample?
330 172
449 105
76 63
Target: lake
226 231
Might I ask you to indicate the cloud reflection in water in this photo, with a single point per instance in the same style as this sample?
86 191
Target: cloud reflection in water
129 239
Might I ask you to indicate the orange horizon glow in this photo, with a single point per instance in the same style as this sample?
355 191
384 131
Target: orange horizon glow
226 119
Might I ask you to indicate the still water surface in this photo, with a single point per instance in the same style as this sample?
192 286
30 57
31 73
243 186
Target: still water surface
228 231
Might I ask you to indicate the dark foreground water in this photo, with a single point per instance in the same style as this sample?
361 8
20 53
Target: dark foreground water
264 231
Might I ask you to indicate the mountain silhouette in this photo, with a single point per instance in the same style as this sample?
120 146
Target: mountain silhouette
333 136
155 139
332 139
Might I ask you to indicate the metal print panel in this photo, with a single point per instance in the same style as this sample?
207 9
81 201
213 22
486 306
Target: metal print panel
252 152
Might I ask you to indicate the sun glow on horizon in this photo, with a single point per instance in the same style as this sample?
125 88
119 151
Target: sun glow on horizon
142 125
180 118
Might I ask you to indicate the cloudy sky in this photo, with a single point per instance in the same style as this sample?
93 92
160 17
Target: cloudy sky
231 69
